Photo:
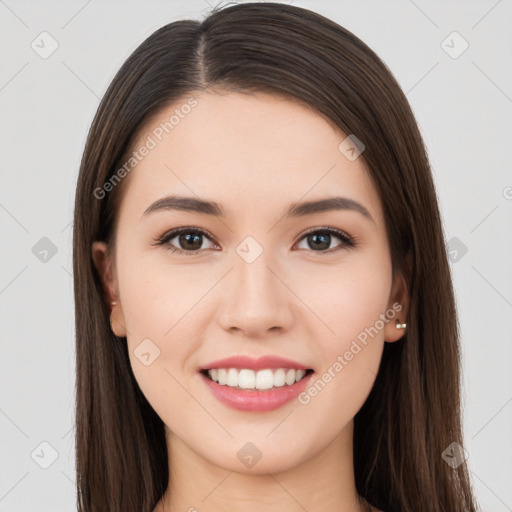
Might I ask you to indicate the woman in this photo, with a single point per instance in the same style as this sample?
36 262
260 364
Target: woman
265 318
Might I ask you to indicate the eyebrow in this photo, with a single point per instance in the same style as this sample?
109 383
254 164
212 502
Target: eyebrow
299 209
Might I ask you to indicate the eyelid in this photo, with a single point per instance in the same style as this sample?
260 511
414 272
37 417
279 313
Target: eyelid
173 233
347 241
331 230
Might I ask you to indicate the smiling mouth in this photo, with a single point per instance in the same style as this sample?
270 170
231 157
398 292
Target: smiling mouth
260 380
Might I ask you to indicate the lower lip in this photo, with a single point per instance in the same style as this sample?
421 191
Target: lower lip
253 400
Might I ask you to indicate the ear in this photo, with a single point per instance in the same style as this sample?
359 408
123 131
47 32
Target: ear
399 295
106 270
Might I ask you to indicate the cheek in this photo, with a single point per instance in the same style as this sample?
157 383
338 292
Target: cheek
354 305
160 306
347 300
158 296
361 304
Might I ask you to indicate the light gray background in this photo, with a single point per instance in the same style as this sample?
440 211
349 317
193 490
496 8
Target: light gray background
463 106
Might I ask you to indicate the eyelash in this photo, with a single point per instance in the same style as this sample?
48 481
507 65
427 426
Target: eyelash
348 242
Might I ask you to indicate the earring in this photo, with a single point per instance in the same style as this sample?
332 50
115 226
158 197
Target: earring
398 325
114 303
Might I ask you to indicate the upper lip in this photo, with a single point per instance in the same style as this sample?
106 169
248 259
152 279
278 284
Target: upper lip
254 364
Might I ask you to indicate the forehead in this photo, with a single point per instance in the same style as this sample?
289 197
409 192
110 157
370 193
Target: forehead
245 151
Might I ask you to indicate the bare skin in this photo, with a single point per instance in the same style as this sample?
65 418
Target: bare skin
254 155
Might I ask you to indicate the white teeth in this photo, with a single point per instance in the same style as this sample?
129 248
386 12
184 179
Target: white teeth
232 378
262 379
279 378
246 379
223 375
299 375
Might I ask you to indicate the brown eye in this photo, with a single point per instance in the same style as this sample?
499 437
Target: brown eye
320 240
185 240
190 241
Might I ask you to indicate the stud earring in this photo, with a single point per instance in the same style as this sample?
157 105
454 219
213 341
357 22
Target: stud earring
114 303
398 325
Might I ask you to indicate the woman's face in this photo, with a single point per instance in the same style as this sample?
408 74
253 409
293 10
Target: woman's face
259 277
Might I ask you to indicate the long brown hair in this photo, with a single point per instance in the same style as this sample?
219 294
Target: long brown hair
413 411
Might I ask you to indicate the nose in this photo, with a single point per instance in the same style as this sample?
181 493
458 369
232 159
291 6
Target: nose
257 301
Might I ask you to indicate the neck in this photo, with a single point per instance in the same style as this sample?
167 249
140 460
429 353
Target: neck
323 482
